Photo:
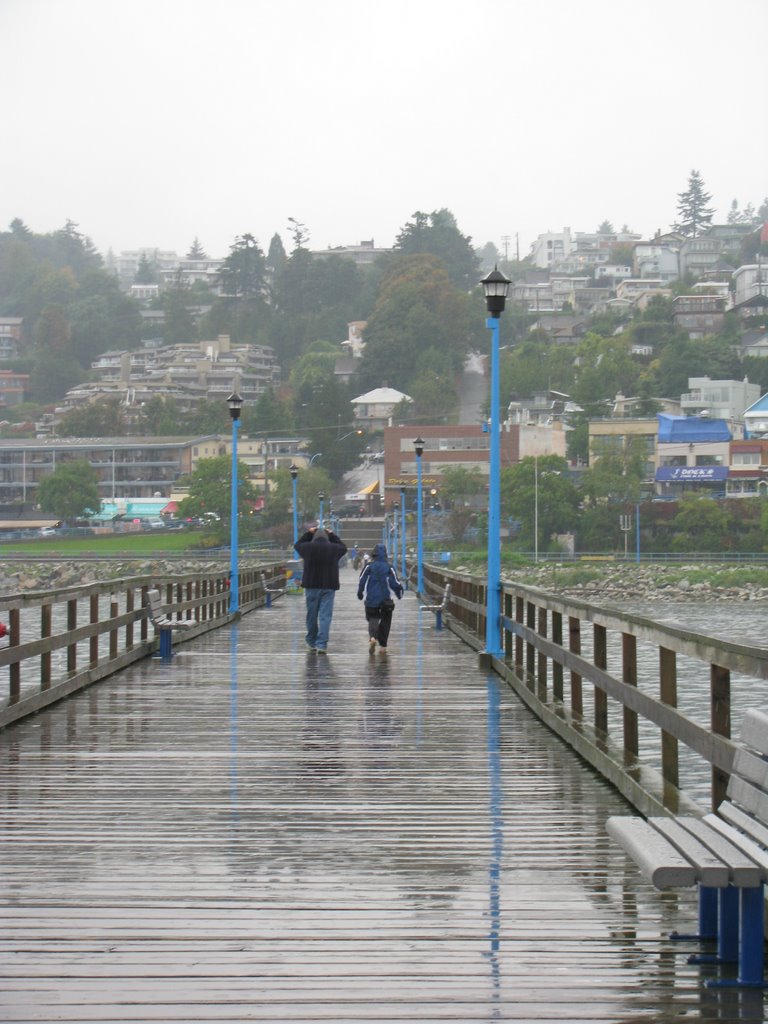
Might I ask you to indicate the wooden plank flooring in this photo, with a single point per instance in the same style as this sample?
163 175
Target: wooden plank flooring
254 833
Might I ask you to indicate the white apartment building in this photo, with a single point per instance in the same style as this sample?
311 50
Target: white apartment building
719 399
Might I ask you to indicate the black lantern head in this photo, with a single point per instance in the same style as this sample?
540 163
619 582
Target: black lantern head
496 289
418 445
235 404
294 470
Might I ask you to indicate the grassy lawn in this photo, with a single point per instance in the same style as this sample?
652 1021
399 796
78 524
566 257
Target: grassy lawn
133 545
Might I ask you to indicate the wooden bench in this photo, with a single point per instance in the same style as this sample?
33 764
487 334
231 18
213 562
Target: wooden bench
438 609
725 854
163 624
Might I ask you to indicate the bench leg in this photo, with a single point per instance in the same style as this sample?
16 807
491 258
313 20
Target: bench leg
166 647
751 942
707 918
439 620
727 929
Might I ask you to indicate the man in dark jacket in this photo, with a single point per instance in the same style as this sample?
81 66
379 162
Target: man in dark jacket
321 550
376 581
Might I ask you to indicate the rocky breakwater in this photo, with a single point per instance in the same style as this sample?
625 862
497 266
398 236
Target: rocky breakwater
622 582
17 577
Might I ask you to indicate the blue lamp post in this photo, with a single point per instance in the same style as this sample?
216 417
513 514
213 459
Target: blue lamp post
418 445
395 509
235 403
294 473
321 499
403 575
496 288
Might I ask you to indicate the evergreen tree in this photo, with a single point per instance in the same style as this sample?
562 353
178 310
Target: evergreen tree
196 251
243 272
692 207
437 234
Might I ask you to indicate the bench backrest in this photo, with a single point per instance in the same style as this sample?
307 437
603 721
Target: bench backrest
155 604
746 803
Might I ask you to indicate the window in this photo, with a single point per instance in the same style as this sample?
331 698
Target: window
746 459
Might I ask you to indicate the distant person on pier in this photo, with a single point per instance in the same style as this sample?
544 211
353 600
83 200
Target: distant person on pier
322 550
378 581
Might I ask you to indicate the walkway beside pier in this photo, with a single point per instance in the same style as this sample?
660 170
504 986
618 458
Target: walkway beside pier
251 832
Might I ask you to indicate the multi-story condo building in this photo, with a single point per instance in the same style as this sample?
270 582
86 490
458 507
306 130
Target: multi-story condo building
126 466
187 373
719 399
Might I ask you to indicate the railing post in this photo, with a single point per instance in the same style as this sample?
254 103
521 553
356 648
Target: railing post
46 630
71 627
600 641
720 703
629 675
541 668
670 763
93 646
557 668
574 643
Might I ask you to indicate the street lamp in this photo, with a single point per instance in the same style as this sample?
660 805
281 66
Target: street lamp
418 446
495 288
395 507
403 576
235 403
294 470
321 499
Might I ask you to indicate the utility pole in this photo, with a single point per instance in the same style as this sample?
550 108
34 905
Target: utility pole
506 239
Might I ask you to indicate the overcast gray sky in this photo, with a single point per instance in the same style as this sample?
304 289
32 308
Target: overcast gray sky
151 122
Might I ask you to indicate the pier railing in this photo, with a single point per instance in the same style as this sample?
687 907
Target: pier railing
649 705
60 641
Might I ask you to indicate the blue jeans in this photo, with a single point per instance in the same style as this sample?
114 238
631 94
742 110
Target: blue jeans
319 615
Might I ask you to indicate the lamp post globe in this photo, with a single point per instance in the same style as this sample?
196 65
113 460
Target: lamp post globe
495 288
235 405
418 447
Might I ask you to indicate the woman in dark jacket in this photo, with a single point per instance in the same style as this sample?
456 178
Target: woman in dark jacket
376 582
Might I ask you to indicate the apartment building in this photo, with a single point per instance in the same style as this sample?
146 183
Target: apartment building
141 467
699 315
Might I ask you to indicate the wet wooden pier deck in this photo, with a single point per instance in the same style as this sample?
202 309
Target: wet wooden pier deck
254 833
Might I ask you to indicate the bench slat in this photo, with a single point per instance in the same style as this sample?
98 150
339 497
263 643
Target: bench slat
749 766
742 870
711 870
657 859
741 820
758 857
754 731
743 794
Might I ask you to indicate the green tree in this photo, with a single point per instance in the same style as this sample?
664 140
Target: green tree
437 234
692 208
243 272
417 309
70 491
616 476
604 367
539 481
458 487
701 524
196 251
105 418
161 417
210 491
146 271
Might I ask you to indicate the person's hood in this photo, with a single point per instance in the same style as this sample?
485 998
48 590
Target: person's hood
320 535
380 552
